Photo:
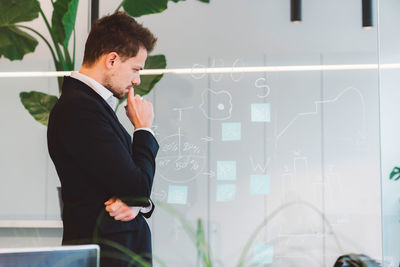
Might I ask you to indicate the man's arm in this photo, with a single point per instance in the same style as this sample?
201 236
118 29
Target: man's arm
100 152
141 115
122 212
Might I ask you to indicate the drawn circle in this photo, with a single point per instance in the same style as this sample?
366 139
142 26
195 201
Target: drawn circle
241 74
217 63
179 159
266 94
195 75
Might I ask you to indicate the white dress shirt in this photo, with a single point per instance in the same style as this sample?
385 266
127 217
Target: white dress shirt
108 96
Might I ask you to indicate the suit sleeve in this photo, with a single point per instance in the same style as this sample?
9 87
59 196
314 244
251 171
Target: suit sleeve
147 214
89 137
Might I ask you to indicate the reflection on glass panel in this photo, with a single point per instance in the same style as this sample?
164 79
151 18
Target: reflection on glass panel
280 167
287 164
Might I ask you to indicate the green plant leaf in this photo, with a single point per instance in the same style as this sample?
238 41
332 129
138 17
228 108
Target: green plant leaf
14 43
201 244
63 20
13 11
137 8
69 20
204 1
147 82
38 105
395 174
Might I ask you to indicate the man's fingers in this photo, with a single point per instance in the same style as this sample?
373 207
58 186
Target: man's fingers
123 213
109 208
127 219
130 93
132 98
110 201
114 207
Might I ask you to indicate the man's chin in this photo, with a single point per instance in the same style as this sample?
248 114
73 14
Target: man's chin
120 96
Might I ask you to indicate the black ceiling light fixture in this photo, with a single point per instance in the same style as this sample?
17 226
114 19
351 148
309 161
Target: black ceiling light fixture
367 16
94 14
295 11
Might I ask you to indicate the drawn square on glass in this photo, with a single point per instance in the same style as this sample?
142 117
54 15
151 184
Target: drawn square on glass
259 184
226 192
177 194
263 253
231 131
261 112
226 170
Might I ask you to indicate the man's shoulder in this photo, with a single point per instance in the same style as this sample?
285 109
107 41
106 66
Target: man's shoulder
76 102
77 94
73 88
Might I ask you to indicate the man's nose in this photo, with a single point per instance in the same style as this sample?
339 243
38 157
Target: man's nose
136 80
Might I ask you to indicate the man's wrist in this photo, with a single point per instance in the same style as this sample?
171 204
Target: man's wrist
145 129
147 209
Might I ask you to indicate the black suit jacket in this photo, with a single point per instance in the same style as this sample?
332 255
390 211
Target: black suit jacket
95 160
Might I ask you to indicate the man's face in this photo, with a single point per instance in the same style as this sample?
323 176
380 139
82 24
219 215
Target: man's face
125 74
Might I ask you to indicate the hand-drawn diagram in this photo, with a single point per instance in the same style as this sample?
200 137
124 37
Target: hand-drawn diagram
317 104
207 139
235 76
263 253
180 160
259 184
217 63
198 76
288 186
226 192
159 195
259 166
180 111
261 83
226 170
215 76
231 131
261 112
220 107
177 194
334 189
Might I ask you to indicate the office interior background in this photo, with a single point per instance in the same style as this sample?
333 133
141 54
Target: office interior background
301 156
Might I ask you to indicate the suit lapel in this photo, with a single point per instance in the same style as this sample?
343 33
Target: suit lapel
123 134
115 124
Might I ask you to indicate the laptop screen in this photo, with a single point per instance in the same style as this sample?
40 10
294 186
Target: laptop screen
71 256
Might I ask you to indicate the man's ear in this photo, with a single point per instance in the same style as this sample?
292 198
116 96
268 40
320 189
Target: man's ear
110 60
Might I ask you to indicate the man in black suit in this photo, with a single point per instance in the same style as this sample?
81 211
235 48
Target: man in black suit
106 178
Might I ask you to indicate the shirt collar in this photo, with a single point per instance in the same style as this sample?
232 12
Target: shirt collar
106 94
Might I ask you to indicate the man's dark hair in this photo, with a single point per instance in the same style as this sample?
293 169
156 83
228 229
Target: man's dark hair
118 33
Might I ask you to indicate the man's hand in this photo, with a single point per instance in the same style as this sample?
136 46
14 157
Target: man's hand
139 111
120 211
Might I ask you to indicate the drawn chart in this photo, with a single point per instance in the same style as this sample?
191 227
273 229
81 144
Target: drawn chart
180 159
317 107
